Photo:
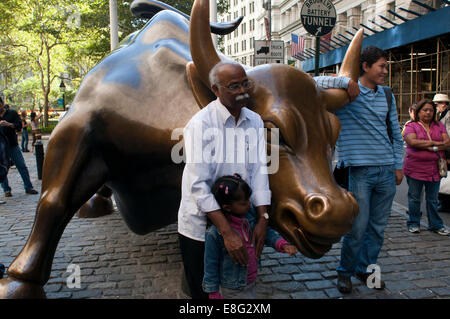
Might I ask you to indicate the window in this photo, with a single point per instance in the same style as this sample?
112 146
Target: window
390 6
244 45
243 28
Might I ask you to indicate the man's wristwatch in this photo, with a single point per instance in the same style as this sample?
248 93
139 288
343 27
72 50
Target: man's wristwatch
435 148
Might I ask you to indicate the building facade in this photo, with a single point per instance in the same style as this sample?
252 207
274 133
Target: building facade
419 67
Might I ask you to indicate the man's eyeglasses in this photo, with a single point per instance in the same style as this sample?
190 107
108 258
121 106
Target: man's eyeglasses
247 84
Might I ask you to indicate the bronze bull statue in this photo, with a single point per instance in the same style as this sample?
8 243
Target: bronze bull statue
118 134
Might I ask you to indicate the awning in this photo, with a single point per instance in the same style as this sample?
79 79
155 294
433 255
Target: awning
431 25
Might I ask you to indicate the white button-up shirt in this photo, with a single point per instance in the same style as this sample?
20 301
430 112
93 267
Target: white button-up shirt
215 145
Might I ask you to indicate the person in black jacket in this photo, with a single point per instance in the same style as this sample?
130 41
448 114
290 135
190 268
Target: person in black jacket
10 123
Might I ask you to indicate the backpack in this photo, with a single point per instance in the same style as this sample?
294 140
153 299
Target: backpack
4 156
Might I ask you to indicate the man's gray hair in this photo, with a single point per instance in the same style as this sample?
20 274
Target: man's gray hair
213 74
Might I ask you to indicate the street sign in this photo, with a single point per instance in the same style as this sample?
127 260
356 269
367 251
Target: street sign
269 51
318 16
60 102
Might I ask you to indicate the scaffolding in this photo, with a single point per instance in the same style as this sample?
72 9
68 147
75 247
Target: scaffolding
417 71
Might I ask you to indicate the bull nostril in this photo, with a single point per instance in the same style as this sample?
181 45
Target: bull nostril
317 205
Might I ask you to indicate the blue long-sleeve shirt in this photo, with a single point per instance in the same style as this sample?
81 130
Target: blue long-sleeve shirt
364 140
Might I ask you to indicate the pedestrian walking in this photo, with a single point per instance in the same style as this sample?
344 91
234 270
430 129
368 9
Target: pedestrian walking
10 123
426 141
24 143
35 130
223 278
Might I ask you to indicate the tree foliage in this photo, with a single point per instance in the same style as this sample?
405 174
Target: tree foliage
43 42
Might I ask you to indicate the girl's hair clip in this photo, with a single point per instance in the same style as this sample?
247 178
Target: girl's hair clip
221 186
226 190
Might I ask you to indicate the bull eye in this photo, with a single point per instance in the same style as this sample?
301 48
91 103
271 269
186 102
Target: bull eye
281 140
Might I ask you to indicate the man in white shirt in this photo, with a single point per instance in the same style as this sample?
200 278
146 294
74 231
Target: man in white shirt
211 152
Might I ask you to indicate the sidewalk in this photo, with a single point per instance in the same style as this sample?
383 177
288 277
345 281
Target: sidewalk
116 263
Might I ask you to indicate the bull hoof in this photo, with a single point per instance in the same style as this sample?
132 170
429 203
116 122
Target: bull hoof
11 288
95 207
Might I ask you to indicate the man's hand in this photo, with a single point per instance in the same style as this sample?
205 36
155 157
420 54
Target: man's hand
259 236
233 243
398 176
352 90
5 123
236 248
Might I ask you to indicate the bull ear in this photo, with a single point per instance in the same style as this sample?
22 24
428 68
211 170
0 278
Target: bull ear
202 94
335 99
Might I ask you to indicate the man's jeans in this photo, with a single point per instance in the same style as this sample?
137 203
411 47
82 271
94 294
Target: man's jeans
19 162
374 189
431 196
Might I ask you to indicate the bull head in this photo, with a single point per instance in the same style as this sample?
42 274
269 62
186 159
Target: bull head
308 207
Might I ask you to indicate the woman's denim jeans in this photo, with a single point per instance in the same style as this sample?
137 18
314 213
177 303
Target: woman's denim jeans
24 143
431 196
374 188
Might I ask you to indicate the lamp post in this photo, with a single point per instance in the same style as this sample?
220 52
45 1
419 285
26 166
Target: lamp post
62 88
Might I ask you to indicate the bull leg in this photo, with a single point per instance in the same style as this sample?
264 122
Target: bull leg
71 176
99 205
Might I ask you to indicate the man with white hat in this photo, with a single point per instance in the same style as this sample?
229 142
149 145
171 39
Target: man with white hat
441 101
443 115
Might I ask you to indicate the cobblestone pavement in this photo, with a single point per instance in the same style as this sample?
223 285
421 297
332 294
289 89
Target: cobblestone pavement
116 263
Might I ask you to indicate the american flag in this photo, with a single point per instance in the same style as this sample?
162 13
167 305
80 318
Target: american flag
297 44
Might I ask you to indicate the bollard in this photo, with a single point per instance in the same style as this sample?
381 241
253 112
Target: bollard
39 152
2 270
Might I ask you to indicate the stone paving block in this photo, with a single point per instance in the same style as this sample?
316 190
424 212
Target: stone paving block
319 284
441 292
419 293
429 283
290 286
275 278
307 276
317 294
288 269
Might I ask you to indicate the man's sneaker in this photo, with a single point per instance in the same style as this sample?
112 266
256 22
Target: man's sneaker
442 231
8 194
31 191
363 278
344 284
2 202
414 229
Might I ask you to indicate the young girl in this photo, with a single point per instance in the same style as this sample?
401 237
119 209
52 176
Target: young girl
235 281
24 143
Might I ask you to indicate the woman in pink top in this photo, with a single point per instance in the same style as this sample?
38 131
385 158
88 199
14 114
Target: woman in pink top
426 140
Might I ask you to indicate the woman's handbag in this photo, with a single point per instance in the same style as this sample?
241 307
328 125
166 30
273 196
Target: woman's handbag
442 166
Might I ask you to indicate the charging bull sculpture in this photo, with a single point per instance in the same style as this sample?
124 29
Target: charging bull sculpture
117 137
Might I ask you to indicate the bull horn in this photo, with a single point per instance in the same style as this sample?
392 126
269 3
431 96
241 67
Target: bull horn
203 53
335 98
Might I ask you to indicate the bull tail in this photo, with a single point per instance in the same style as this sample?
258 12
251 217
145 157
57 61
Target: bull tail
146 9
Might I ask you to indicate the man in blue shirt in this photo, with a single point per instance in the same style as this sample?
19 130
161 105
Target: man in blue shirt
374 157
